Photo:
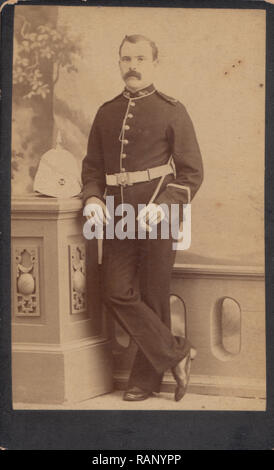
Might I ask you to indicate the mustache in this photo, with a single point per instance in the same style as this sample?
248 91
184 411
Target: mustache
132 73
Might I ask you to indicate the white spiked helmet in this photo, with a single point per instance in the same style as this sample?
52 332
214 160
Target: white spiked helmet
58 174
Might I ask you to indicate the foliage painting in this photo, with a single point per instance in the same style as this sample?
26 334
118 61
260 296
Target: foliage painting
42 49
38 49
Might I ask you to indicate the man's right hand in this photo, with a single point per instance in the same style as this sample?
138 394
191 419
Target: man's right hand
96 210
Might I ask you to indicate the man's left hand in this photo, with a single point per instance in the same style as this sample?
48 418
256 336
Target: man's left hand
151 214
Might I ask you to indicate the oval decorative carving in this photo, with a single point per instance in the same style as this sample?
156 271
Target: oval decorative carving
121 336
79 282
178 315
231 325
77 259
26 284
27 281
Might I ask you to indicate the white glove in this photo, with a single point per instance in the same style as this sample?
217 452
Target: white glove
96 211
151 214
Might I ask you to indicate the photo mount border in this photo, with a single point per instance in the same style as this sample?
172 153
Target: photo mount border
108 429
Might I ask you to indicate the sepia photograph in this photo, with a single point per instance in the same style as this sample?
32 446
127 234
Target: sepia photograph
137 208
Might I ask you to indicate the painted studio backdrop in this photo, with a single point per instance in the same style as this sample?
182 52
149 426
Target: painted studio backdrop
66 66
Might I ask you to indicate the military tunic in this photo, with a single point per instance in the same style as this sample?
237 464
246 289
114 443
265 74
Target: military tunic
132 132
138 131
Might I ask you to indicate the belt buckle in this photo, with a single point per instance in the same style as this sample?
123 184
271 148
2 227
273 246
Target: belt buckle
123 179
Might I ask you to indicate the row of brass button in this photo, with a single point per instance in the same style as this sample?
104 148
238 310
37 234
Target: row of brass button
127 127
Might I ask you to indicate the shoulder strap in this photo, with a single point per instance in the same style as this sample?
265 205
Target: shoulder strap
167 98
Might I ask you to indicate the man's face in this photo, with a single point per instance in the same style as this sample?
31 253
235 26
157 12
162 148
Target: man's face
137 65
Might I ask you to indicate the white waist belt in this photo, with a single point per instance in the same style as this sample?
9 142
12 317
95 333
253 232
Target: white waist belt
127 178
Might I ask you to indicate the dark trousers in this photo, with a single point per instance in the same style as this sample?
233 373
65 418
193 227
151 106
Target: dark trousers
136 290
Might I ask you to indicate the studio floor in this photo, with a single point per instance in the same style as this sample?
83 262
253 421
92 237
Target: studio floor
161 401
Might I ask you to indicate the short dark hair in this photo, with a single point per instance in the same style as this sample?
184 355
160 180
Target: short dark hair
134 38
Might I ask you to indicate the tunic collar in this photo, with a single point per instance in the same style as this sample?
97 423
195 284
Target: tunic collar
140 93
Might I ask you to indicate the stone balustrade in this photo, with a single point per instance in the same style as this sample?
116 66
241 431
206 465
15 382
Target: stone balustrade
222 311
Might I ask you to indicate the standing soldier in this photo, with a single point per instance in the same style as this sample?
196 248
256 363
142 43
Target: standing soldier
129 152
